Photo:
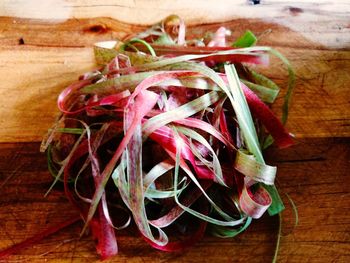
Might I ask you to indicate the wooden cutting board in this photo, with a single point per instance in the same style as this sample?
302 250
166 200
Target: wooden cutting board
45 45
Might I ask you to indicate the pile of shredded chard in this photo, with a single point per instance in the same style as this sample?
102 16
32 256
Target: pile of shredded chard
168 135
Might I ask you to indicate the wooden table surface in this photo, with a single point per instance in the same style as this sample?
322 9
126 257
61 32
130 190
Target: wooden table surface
46 45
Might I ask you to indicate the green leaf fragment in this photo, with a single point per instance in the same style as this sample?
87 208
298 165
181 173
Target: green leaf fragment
227 232
141 41
247 126
165 40
77 131
244 117
277 204
105 51
248 39
247 165
263 80
265 94
291 84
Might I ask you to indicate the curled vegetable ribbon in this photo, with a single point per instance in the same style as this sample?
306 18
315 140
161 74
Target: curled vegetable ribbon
169 131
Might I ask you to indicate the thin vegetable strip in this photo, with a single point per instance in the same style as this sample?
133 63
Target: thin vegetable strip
170 130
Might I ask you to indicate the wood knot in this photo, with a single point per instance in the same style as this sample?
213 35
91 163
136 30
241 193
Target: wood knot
294 11
98 29
21 41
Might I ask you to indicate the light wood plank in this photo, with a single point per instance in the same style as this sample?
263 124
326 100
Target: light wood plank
32 80
314 173
33 77
311 18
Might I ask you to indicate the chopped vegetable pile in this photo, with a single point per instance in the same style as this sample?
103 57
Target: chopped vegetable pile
168 135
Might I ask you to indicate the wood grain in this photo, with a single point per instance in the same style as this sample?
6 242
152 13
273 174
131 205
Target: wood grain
33 74
321 21
314 174
45 45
